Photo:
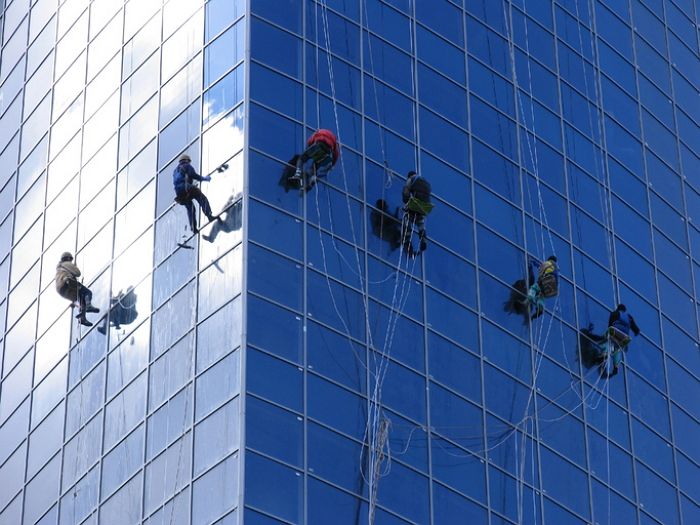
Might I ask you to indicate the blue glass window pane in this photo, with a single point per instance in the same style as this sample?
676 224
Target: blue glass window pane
653 450
650 405
499 215
274 431
451 319
611 60
275 277
336 357
657 496
276 91
458 468
395 110
654 66
531 36
564 482
336 458
336 407
274 379
441 54
444 221
395 335
286 13
220 13
405 492
555 514
223 96
683 388
618 472
491 126
488 47
506 499
492 87
684 431
285 339
329 505
669 221
404 391
690 511
452 276
338 259
444 18
442 95
275 229
223 53
346 312
614 30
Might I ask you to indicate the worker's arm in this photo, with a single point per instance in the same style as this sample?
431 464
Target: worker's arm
634 326
71 268
192 174
613 317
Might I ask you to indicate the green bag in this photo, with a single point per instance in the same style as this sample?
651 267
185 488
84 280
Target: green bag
419 206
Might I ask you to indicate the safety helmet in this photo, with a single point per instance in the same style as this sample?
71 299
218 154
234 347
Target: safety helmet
411 173
185 158
552 258
66 256
622 307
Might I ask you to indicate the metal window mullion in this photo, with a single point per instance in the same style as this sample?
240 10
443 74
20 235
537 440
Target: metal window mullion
581 375
38 287
409 275
305 279
517 99
667 394
245 205
613 263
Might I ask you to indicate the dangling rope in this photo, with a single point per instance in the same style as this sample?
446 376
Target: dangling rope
374 424
387 170
538 347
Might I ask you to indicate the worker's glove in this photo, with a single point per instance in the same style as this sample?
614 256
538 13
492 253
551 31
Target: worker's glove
207 178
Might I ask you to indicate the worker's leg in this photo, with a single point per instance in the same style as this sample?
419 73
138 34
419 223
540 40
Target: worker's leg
191 215
420 224
196 194
85 298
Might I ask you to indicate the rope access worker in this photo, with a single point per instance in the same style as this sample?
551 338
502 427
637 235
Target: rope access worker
619 325
184 176
546 286
416 198
68 287
321 148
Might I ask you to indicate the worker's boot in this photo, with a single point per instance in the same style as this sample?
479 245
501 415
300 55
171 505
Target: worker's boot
311 183
82 319
423 241
89 309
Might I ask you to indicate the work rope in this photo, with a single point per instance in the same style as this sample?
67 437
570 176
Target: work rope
377 425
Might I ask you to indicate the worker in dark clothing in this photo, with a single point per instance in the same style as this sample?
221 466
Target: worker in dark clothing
546 286
186 191
386 225
68 287
323 150
619 325
122 310
416 198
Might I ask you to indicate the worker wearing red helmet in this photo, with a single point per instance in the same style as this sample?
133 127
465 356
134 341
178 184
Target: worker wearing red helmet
321 148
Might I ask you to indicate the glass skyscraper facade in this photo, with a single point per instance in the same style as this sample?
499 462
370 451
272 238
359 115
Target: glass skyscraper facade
294 364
